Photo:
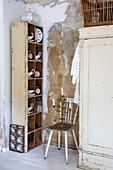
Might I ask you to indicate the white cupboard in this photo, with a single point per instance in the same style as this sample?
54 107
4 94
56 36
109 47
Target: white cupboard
96 98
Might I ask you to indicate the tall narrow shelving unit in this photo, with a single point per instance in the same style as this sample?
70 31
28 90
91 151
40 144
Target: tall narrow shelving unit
27 91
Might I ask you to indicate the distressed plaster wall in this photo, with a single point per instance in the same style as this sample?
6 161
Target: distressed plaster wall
65 37
11 13
61 22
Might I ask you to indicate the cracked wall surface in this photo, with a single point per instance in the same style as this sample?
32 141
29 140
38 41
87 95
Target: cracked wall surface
44 2
62 41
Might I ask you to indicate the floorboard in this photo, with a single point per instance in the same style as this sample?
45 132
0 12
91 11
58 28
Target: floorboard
34 160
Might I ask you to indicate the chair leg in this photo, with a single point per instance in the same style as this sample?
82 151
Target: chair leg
45 134
59 140
75 139
48 144
66 148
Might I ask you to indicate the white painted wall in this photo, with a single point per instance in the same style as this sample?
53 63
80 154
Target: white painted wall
1 63
48 17
11 13
12 10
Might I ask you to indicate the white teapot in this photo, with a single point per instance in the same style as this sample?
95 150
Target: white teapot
31 73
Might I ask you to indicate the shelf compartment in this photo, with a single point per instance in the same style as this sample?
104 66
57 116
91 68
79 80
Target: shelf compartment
41 29
38 104
31 141
31 66
38 121
31 29
39 51
31 48
38 137
31 123
38 84
31 102
31 85
39 68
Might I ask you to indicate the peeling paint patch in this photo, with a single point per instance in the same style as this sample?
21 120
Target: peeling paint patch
60 55
57 2
53 73
52 3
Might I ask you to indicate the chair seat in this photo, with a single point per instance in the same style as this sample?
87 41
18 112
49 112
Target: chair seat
61 127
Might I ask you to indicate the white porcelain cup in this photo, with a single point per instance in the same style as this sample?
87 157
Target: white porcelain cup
30 56
31 73
37 74
37 91
31 36
38 56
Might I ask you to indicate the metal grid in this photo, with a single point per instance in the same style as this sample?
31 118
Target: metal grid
97 12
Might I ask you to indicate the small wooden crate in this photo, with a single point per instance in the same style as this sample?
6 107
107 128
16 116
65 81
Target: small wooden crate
97 12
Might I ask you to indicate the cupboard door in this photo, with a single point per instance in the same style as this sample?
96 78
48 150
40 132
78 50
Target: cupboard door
97 95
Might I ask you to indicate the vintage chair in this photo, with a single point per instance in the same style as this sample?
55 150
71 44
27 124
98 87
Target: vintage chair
66 124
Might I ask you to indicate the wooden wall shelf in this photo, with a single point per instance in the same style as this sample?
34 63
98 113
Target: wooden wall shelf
22 85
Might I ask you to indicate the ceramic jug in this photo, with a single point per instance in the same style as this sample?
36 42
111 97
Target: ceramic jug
38 56
30 108
30 37
31 73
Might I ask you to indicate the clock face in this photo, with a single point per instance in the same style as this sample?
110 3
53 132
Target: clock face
38 35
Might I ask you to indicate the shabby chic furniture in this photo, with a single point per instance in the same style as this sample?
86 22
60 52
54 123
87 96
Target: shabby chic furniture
66 124
96 98
27 80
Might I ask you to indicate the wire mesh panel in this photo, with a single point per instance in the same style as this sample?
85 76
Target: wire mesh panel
16 138
97 12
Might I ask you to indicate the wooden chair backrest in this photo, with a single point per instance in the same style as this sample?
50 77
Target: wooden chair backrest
67 114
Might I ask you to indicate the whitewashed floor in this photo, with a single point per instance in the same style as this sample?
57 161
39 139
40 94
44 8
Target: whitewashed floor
34 160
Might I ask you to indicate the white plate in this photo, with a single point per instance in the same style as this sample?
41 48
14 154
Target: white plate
31 94
30 91
31 40
38 35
